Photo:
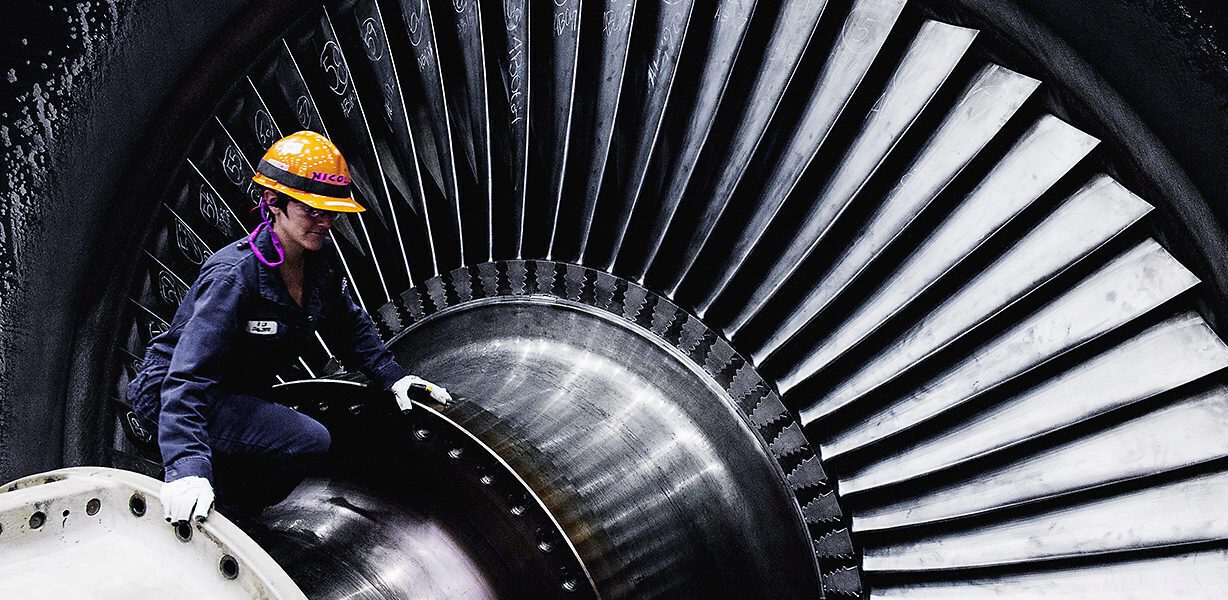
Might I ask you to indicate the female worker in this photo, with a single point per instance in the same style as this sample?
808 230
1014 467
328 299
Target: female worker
252 310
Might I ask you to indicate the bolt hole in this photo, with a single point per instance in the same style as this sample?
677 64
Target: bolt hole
422 434
571 585
37 519
456 452
229 567
136 504
487 480
183 531
91 507
518 510
546 539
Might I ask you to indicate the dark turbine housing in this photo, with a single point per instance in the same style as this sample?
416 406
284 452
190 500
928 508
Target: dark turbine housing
842 298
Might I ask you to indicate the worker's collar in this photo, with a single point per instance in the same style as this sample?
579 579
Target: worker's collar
315 266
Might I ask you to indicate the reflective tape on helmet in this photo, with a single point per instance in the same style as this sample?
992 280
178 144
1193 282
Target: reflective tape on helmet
336 188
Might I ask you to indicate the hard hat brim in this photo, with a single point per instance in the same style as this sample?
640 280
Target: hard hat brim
329 203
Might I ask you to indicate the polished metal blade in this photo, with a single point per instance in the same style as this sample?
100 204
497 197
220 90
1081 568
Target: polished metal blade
1165 356
1094 215
930 59
980 113
1123 290
1042 156
786 44
863 35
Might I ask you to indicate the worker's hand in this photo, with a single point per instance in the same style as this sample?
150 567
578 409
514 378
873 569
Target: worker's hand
401 389
187 498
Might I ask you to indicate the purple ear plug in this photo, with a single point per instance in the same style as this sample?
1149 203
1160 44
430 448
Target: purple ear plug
266 223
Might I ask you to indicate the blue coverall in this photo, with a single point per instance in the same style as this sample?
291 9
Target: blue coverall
202 380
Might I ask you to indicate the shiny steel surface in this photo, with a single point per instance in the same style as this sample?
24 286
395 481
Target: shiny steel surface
1123 290
339 540
651 96
1152 444
405 175
413 505
1193 575
465 44
786 43
980 113
595 116
863 35
660 484
1148 364
343 93
931 57
553 80
432 126
509 122
755 213
1084 222
730 23
346 94
1046 152
1191 510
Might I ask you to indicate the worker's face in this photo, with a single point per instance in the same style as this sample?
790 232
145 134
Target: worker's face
303 225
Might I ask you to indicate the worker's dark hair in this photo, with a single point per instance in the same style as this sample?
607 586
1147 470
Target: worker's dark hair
281 200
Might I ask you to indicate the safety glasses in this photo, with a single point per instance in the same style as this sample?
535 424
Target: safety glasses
315 213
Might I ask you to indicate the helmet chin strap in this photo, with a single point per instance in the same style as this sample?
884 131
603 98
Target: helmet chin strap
265 223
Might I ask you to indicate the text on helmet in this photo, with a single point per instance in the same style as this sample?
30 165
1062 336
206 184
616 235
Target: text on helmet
329 177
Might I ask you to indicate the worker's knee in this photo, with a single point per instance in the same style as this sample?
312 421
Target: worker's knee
302 438
249 426
313 440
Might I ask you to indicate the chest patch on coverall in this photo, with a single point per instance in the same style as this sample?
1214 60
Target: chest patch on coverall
262 327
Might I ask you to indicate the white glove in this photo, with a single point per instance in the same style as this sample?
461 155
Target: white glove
401 388
187 498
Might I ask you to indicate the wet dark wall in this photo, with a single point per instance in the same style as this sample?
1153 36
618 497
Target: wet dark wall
86 88
82 83
1150 78
1169 61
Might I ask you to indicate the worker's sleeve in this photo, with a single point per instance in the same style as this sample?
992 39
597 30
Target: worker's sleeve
195 370
350 333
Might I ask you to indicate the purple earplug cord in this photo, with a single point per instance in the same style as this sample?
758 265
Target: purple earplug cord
266 223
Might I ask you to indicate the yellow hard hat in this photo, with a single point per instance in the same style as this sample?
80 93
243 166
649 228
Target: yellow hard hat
310 169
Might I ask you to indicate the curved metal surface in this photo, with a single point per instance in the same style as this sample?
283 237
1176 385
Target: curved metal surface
620 409
659 482
1032 300
101 529
413 505
340 540
1137 370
